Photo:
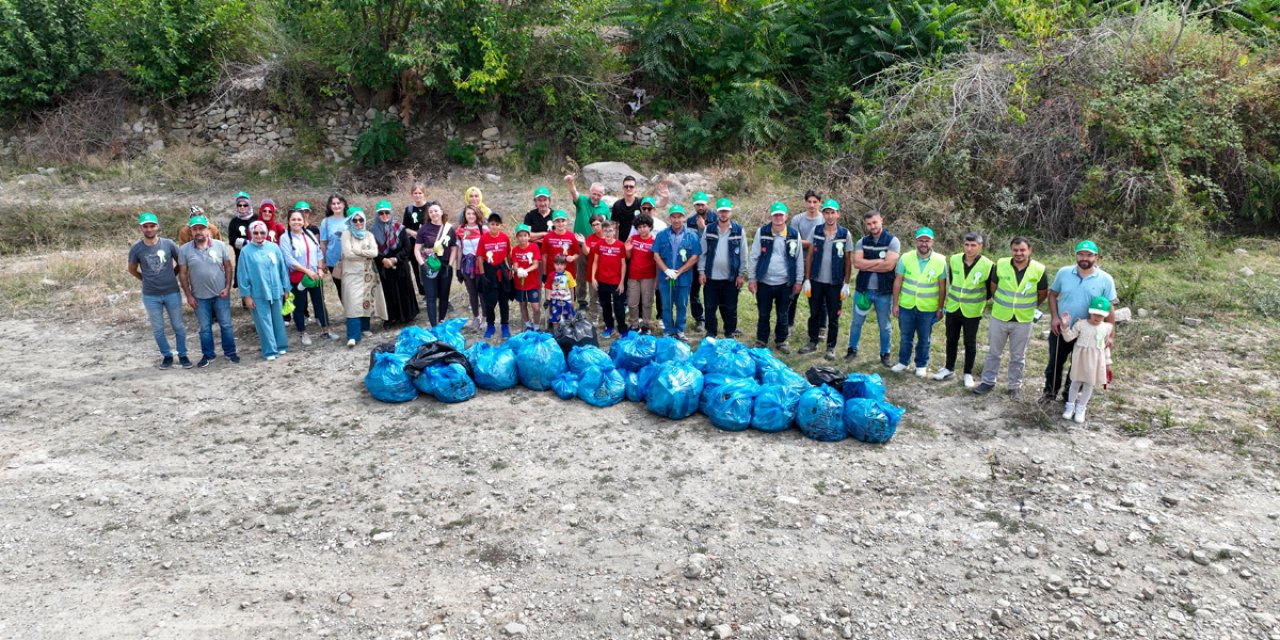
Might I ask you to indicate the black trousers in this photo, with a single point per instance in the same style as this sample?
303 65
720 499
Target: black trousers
791 308
1059 352
773 298
495 282
824 304
695 301
436 296
957 323
722 297
613 305
419 278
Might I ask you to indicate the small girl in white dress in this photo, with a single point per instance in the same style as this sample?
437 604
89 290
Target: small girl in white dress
1090 358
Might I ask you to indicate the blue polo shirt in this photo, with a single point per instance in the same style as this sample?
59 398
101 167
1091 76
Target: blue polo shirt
1075 293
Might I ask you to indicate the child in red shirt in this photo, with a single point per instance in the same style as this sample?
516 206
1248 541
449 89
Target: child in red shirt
494 253
589 245
527 259
643 274
608 272
559 242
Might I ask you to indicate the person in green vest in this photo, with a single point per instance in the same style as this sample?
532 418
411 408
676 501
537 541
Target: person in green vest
967 296
918 290
1018 285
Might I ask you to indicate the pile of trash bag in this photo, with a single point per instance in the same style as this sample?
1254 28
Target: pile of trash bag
387 380
633 351
674 390
495 367
539 360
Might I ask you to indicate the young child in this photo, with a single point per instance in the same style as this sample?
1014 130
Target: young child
559 242
527 260
608 272
589 244
560 285
494 252
642 274
1089 359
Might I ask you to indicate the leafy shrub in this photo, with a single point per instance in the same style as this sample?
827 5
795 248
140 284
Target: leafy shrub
460 153
43 49
381 142
171 47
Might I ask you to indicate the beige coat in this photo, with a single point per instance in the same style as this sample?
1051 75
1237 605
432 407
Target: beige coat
1091 356
361 288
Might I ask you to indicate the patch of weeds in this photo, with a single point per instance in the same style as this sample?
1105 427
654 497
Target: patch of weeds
459 523
492 554
1156 539
821 487
497 465
1008 524
284 509
179 516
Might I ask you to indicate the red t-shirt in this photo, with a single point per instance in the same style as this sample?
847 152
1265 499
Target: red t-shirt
642 265
609 259
499 245
557 244
592 241
526 257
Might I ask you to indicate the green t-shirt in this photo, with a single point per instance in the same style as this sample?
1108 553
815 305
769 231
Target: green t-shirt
583 212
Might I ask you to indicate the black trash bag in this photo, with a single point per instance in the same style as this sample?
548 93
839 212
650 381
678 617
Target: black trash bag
437 353
386 347
818 376
579 332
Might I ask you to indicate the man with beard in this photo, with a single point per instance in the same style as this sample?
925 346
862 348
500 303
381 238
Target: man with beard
1018 285
1071 292
538 219
153 261
204 270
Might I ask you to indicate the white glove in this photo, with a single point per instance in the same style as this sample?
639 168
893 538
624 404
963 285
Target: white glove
521 272
844 291
807 287
239 243
672 274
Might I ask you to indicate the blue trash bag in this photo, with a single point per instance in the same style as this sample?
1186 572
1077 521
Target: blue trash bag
765 362
516 342
450 332
602 387
866 420
638 382
633 351
446 383
670 349
820 414
711 382
788 379
411 338
387 380
539 361
588 356
705 354
731 405
862 385
775 407
674 391
892 412
725 356
495 367
565 385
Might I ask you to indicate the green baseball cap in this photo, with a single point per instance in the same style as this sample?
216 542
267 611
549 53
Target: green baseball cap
541 192
354 210
675 209
724 203
778 207
924 232
1099 306
523 228
559 214
302 206
382 205
242 194
701 198
198 221
147 218
831 204
1087 245
649 201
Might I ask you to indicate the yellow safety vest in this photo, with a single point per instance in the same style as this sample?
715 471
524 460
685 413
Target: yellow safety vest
968 295
920 286
1016 300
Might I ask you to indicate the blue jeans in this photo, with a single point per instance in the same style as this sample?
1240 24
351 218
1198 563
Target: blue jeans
156 307
915 326
678 296
206 310
355 326
269 322
882 304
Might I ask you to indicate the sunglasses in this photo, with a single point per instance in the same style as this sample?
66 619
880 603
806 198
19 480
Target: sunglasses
259 233
628 186
242 206
646 208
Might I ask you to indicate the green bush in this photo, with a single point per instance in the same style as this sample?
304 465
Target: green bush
43 49
171 47
381 142
460 153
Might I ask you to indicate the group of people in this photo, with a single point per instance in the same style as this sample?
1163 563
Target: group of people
615 263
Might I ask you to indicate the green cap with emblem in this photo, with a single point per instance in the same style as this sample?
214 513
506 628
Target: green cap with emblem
148 218
649 201
541 192
523 228
675 209
1099 306
1087 245
776 208
302 205
701 198
831 204
724 203
559 214
354 210
382 205
198 221
924 232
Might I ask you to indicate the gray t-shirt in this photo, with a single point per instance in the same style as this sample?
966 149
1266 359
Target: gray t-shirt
874 282
805 226
155 263
822 272
205 268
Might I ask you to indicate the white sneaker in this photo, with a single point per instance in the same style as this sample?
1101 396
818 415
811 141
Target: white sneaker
351 343
1068 411
306 340
921 372
270 358
898 368
944 374
333 336
1080 415
968 381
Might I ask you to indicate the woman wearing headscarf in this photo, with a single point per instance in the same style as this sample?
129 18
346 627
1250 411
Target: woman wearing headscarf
361 288
301 250
331 230
395 265
475 198
267 214
238 227
264 284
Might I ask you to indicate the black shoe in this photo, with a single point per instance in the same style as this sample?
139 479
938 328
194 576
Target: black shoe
760 344
884 360
809 347
204 362
185 362
983 389
784 349
831 353
737 333
167 363
850 354
235 359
